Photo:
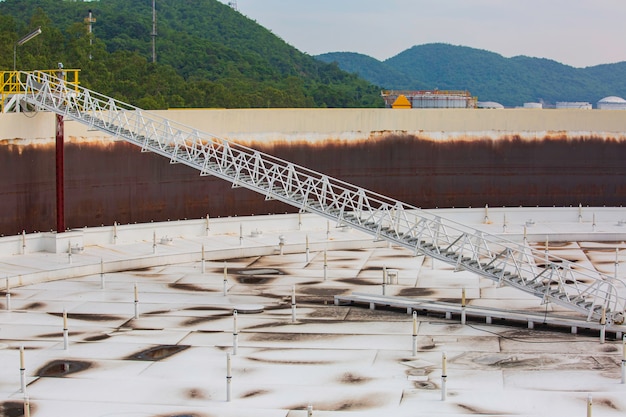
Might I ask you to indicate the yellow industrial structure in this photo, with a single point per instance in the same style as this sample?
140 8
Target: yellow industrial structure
401 103
426 99
11 87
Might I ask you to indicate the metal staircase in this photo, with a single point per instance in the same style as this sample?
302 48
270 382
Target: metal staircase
595 295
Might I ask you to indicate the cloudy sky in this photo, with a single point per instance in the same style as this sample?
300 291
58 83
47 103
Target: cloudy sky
575 32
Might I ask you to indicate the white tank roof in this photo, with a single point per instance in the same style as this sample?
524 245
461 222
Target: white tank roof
489 105
612 99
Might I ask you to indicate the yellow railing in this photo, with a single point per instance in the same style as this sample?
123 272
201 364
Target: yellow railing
12 82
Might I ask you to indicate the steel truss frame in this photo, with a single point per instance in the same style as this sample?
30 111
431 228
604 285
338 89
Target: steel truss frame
554 280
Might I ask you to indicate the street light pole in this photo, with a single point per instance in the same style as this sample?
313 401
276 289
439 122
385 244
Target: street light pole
22 41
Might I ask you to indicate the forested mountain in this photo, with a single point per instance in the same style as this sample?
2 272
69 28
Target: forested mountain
487 75
207 55
371 69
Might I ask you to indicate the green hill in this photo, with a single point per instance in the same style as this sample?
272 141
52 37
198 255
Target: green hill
207 55
487 75
371 69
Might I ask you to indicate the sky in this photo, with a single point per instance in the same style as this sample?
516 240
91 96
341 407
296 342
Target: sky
579 33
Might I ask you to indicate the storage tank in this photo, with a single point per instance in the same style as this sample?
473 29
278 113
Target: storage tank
573 105
438 100
489 105
612 103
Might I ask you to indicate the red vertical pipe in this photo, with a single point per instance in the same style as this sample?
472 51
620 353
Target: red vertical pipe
59 174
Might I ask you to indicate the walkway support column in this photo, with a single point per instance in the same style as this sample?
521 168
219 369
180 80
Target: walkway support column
59 174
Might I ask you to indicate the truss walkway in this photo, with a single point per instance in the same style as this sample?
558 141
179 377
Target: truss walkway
596 296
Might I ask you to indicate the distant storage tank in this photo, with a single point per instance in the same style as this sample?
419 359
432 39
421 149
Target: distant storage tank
489 105
533 106
573 105
612 103
431 99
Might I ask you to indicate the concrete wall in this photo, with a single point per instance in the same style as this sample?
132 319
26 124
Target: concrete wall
351 123
414 120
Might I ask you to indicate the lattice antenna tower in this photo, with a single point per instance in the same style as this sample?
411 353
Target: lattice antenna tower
233 4
154 30
90 20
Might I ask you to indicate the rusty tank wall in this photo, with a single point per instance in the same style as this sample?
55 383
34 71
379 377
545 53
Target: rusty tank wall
428 158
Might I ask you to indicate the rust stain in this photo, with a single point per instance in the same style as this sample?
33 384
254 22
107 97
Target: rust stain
108 181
